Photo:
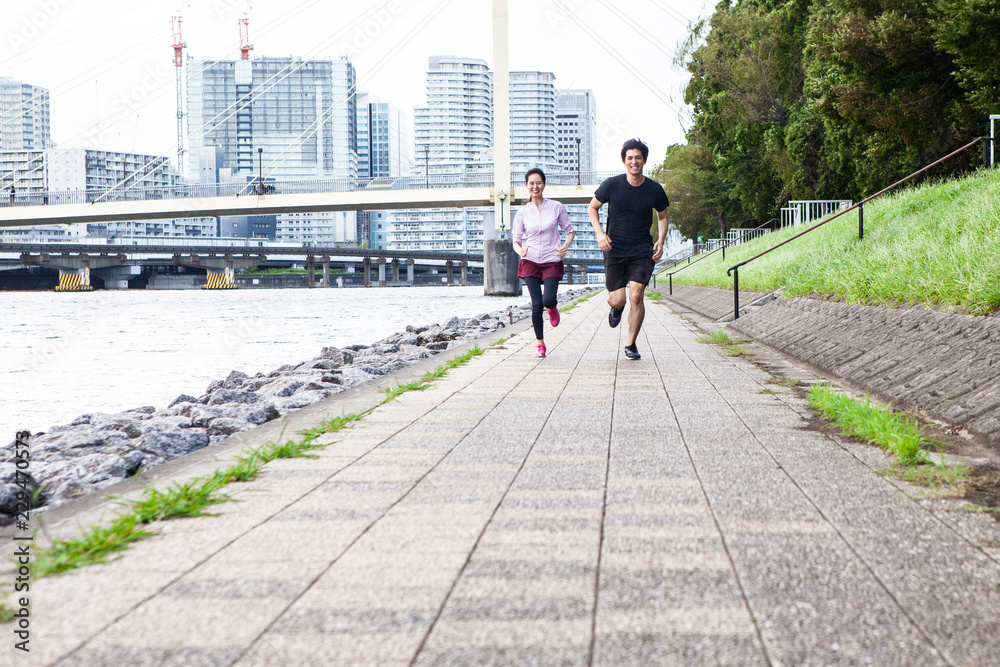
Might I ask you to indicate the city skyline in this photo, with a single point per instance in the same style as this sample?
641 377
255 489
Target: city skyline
130 86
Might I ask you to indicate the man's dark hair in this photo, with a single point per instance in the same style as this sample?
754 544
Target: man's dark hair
635 144
534 170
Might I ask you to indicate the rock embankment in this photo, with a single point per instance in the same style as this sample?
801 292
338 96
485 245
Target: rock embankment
99 449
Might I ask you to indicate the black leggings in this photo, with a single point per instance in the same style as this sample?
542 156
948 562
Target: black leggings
538 301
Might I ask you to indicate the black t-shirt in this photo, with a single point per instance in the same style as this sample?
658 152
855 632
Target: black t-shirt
630 214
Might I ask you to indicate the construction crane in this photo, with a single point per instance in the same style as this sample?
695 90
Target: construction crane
179 46
245 45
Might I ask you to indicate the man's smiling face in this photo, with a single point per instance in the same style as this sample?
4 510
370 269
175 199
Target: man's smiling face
634 162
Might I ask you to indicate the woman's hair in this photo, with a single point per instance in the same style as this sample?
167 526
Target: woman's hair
534 170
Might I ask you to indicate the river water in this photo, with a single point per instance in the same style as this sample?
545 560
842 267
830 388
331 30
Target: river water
66 354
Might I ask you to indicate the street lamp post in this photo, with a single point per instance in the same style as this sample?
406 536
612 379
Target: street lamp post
260 171
578 160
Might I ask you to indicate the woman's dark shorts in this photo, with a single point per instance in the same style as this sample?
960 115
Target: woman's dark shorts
527 268
618 271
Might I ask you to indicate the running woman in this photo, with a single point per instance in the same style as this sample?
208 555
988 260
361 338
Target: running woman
536 240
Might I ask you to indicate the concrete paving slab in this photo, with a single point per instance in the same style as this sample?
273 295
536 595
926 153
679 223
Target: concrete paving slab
578 509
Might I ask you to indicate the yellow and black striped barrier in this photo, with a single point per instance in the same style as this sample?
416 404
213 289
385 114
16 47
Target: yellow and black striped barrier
220 281
72 282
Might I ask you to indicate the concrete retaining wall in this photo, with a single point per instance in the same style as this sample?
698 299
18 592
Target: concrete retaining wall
945 363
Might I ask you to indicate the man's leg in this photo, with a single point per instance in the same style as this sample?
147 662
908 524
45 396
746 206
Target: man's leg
615 281
616 299
636 293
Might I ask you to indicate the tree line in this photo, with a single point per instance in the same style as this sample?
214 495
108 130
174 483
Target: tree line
826 99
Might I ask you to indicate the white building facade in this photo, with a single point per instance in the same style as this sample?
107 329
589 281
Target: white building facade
287 119
24 116
576 118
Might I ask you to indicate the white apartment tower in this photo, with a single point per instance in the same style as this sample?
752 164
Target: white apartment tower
533 121
455 129
576 118
24 116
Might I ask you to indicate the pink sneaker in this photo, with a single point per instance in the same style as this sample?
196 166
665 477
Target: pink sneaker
554 316
540 351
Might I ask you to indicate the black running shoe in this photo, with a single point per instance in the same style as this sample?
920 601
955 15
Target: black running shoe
632 352
614 317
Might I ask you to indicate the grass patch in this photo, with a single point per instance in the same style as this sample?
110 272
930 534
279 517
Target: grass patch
95 546
717 337
6 613
498 342
582 299
783 382
392 393
936 244
873 424
99 543
946 480
654 296
731 347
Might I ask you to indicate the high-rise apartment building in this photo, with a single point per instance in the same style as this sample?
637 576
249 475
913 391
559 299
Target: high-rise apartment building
456 127
286 118
576 118
24 116
533 121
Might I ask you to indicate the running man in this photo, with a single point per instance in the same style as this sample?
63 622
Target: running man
629 251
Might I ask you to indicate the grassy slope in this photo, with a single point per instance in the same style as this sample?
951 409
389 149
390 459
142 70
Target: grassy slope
936 244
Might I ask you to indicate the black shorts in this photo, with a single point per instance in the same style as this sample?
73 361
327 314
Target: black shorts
619 271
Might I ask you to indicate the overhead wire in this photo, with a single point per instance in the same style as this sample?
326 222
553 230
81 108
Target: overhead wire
164 90
671 12
624 62
345 99
663 48
258 92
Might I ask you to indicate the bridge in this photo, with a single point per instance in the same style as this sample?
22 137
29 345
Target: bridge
269 197
114 262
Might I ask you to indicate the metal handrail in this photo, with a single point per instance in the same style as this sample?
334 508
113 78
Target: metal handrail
734 270
670 275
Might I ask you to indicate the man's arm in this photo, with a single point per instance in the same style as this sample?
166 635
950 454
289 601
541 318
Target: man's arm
663 223
603 241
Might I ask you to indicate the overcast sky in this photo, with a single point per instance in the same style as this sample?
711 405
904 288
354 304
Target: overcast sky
109 64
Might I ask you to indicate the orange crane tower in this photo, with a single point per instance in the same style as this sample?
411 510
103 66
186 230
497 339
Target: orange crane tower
179 46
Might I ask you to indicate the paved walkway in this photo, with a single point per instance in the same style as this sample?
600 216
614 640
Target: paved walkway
581 509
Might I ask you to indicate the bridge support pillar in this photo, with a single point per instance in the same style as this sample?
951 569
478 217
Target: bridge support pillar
447 267
368 271
464 279
381 271
583 274
310 271
216 279
500 268
326 271
395 270
409 272
74 280
569 274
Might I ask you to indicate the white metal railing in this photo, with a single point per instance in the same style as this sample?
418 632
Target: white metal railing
742 235
804 211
